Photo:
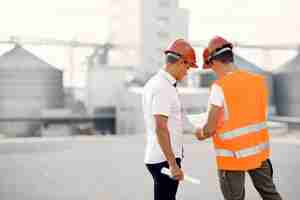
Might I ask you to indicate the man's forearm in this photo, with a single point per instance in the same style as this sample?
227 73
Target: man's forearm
211 126
163 137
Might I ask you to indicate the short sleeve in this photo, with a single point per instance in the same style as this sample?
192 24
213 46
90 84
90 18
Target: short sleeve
216 96
161 104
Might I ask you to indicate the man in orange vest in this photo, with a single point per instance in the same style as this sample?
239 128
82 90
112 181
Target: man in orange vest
237 115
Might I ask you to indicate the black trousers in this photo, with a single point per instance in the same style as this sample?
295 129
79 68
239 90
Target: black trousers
165 188
233 183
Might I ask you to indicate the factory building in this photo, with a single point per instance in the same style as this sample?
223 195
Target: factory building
148 26
286 85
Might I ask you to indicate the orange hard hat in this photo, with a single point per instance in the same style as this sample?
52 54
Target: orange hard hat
216 46
206 61
183 49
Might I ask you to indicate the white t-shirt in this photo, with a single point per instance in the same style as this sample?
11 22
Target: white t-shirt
161 97
217 98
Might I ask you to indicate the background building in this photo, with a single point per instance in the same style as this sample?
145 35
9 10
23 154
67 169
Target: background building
148 27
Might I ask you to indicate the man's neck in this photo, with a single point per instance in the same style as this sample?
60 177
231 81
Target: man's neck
170 71
227 69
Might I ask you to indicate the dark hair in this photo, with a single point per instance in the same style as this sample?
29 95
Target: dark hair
226 57
172 58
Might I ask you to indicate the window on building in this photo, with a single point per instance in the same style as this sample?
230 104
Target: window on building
164 3
163 35
163 21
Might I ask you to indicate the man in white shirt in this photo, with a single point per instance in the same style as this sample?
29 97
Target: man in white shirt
164 120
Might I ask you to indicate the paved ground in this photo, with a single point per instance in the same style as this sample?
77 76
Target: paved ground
105 168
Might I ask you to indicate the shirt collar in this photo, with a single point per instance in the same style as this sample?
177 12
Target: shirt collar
168 76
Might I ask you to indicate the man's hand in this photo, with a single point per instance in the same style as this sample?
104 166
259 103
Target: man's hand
176 172
215 119
199 134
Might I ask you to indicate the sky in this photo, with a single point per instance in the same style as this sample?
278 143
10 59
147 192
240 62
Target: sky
247 21
63 19
252 21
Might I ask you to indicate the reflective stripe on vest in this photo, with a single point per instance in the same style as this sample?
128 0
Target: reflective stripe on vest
242 131
244 152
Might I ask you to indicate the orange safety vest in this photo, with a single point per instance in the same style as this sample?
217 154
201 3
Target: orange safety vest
242 142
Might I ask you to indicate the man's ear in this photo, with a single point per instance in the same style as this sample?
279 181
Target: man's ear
180 61
213 62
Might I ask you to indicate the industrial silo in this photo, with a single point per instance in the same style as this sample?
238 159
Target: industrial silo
27 85
286 88
207 77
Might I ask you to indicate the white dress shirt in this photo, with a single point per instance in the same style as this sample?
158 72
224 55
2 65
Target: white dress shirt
160 97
